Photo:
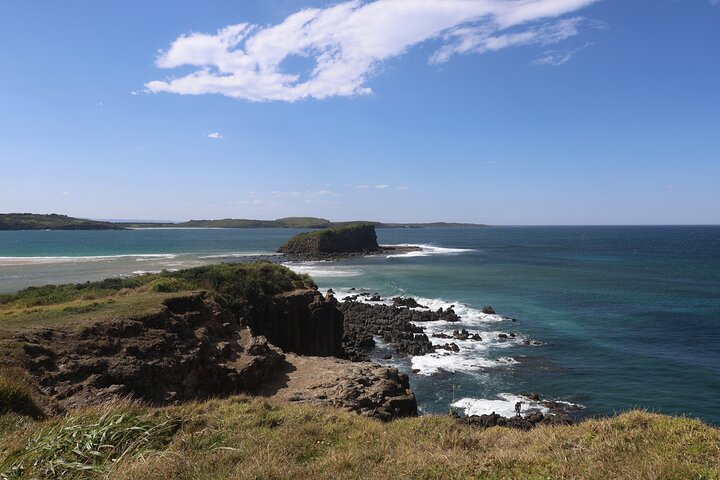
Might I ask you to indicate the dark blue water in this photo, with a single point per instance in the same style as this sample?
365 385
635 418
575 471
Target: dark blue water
628 316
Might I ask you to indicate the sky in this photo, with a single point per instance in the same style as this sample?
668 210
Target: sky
505 112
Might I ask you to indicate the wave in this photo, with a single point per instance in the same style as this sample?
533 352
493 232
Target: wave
427 250
11 261
241 255
473 356
504 405
323 269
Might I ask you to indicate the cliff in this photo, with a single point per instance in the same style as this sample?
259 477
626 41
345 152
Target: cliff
301 321
333 242
168 338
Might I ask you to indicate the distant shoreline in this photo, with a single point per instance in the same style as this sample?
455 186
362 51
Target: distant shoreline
32 221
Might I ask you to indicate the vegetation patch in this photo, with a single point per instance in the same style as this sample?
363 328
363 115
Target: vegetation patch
34 221
245 437
249 280
87 446
16 396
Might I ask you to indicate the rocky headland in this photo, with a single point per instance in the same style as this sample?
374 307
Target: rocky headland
232 335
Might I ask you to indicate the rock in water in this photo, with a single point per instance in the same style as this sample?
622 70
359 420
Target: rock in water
333 242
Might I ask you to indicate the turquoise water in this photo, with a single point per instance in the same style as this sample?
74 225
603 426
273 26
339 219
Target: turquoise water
627 316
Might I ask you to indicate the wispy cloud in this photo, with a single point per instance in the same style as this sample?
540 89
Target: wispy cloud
402 189
215 136
348 42
381 187
558 57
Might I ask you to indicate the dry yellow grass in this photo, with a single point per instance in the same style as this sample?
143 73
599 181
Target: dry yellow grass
244 437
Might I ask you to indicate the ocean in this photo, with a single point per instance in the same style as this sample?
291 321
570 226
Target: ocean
616 317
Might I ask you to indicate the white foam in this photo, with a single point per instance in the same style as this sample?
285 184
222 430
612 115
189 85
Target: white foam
473 356
323 269
427 250
503 405
241 255
461 361
10 261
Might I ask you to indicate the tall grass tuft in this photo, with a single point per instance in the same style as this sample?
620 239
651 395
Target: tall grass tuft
16 396
82 447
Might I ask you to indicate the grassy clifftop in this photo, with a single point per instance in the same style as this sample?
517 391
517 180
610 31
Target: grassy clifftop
32 221
52 305
244 437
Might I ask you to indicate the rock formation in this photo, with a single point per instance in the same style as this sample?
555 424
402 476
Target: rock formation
393 324
333 242
361 387
301 321
193 348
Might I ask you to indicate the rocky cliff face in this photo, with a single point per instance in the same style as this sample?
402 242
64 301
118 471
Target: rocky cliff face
194 348
333 242
302 321
197 346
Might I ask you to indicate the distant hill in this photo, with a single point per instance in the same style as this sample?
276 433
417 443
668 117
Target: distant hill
290 222
33 221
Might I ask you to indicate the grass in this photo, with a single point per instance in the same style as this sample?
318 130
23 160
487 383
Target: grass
235 281
244 437
88 446
16 396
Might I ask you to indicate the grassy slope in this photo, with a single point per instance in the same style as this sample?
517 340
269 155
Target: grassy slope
31 221
244 437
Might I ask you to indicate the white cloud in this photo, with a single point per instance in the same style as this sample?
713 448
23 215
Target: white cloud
347 43
558 57
402 189
215 136
362 186
381 187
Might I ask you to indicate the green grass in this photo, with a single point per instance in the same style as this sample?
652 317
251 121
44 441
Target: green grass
89 446
244 437
249 281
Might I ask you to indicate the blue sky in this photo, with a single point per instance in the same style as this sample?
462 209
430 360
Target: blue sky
501 112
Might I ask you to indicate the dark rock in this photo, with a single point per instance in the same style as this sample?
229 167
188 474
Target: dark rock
488 311
394 325
300 321
333 242
183 352
408 302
